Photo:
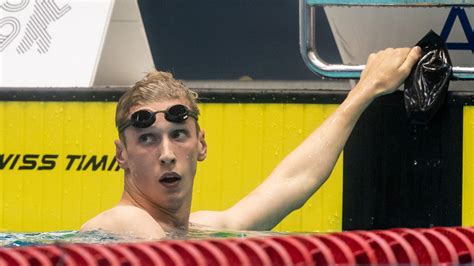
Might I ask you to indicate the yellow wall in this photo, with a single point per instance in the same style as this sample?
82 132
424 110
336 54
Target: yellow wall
246 141
468 167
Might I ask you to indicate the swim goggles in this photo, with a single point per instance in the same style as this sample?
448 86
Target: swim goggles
145 118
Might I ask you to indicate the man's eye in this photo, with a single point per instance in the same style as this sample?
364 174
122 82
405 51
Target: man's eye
179 134
146 138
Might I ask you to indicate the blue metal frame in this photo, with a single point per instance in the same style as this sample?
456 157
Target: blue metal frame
392 2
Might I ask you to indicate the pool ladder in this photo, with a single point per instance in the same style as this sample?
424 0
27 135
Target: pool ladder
307 27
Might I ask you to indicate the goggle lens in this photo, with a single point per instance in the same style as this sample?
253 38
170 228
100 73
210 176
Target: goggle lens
142 119
177 114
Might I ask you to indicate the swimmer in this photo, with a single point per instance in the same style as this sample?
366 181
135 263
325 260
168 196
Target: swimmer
160 143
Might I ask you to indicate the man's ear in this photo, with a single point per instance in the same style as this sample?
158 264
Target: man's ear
121 154
202 146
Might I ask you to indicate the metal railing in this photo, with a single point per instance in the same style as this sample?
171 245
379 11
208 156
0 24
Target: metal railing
308 41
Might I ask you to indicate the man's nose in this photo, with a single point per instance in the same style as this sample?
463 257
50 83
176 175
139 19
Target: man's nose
167 155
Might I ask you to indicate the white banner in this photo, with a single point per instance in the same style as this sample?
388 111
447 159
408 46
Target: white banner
51 43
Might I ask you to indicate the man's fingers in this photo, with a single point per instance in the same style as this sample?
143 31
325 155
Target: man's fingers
411 59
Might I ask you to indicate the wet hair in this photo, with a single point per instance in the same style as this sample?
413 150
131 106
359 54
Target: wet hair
156 86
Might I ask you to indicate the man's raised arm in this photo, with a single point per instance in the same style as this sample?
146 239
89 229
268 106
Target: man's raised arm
307 167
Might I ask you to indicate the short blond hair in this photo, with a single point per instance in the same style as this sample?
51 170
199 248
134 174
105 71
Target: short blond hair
156 86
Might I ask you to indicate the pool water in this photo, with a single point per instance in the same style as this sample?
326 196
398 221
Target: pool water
19 239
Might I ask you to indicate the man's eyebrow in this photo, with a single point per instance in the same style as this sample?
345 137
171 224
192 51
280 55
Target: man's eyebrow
179 126
147 130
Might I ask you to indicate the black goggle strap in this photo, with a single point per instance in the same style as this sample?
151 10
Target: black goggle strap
124 126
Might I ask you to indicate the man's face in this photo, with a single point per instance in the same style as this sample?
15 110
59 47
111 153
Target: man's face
160 161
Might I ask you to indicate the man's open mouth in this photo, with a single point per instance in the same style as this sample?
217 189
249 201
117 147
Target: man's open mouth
170 178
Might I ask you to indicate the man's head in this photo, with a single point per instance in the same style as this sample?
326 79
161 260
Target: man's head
156 86
159 155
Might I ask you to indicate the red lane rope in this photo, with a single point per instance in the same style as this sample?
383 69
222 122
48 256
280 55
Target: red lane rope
422 246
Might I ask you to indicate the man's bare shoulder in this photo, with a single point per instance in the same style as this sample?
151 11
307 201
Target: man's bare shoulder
129 220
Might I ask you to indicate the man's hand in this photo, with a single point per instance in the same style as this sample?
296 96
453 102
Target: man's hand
386 70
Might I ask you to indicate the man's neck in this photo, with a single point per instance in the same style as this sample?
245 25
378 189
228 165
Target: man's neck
170 220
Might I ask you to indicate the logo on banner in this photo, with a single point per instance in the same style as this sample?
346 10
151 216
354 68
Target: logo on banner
458 13
35 32
72 162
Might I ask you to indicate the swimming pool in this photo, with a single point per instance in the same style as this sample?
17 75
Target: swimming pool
264 126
